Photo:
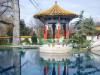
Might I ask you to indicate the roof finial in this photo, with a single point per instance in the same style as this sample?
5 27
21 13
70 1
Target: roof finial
55 2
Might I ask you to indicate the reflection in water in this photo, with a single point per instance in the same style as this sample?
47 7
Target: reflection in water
9 62
74 65
53 71
32 64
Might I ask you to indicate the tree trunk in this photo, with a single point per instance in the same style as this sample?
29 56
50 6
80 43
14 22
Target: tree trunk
16 32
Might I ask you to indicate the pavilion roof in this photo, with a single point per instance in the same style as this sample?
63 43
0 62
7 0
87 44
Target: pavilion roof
54 10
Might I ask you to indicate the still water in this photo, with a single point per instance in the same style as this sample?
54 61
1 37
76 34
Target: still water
32 64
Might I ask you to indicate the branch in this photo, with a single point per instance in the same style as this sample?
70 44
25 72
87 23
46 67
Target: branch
5 2
4 22
4 11
6 6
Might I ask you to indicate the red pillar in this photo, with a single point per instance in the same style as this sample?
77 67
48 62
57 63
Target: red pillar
45 32
58 30
67 33
45 70
58 69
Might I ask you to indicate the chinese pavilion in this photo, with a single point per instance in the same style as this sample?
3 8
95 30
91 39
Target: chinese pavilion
56 17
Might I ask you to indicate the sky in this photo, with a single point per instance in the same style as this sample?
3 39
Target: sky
90 7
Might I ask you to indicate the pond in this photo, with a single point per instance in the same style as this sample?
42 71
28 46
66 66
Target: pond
32 64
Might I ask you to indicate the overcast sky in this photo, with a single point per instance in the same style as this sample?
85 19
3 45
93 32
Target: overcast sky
91 7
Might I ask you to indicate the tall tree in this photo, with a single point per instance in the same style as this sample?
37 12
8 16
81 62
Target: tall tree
24 30
82 27
22 27
34 38
78 39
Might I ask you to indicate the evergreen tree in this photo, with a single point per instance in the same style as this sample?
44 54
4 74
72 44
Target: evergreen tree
34 38
79 41
82 27
24 30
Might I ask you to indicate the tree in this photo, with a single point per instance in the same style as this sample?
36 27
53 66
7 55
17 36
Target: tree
6 19
22 27
78 39
82 27
88 26
38 27
34 38
24 30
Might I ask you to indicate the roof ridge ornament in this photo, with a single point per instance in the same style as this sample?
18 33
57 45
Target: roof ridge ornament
56 2
55 10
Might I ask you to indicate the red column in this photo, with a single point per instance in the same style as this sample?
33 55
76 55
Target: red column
45 70
58 30
67 33
58 69
45 31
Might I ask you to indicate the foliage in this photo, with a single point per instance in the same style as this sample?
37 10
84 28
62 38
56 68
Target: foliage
83 27
26 41
34 38
24 30
78 40
10 33
38 28
3 41
87 26
97 32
